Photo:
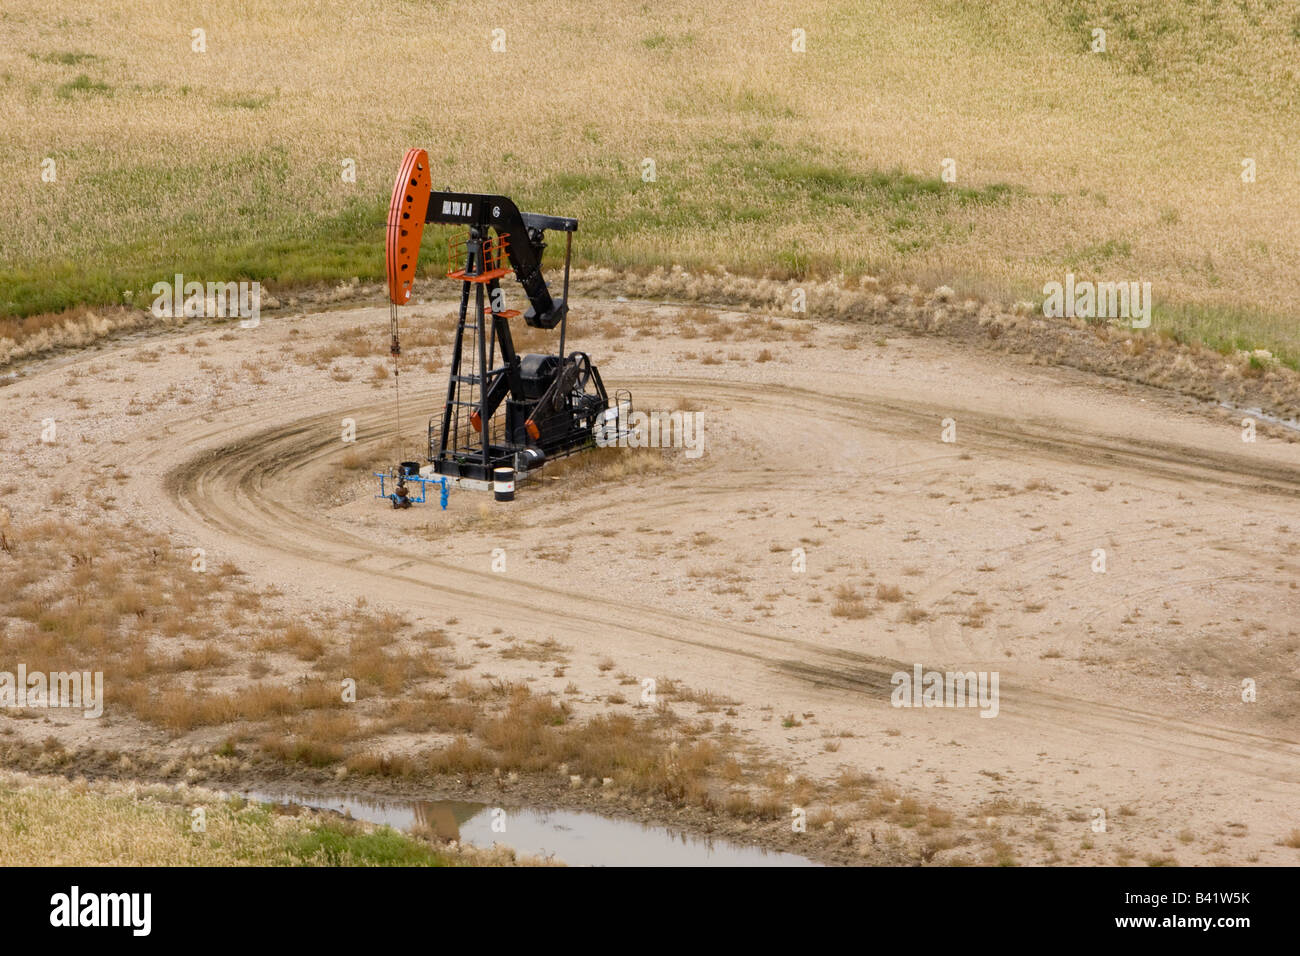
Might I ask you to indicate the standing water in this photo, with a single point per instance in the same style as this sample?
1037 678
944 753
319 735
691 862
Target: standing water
574 837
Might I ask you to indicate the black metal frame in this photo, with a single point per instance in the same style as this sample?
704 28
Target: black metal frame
562 413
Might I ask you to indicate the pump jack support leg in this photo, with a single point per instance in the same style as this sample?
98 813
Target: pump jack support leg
512 376
493 396
484 433
501 333
564 322
450 409
506 380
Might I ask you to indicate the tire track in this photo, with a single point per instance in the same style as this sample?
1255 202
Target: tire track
253 488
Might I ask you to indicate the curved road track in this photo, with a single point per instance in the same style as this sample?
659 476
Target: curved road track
990 539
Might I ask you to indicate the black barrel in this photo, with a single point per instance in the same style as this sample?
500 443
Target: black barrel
410 468
503 484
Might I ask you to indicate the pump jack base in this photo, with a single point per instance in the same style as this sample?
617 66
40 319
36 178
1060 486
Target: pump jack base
471 484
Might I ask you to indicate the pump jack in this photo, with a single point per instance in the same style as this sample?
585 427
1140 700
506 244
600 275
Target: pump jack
555 404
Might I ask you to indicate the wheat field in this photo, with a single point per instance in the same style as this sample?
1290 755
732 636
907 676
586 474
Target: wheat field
1121 165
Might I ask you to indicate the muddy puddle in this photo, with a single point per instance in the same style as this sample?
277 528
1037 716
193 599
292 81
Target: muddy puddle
570 836
1292 424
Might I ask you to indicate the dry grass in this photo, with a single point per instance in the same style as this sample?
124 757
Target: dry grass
130 604
913 614
760 165
708 701
547 651
849 604
175 647
605 465
891 593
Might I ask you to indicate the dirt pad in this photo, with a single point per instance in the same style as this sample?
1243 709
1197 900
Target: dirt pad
827 539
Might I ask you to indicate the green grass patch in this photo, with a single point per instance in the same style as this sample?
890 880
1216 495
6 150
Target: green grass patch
84 84
1098 254
1231 328
66 58
264 236
259 234
382 847
667 42
247 102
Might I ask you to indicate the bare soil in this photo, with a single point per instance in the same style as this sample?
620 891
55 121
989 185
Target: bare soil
1120 691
